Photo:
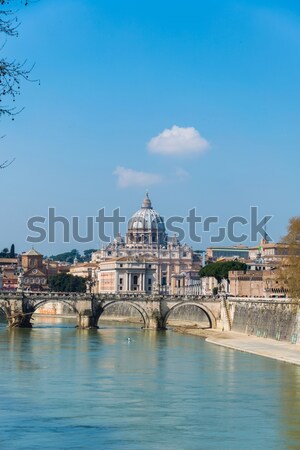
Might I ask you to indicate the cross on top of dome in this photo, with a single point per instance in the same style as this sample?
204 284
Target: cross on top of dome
147 202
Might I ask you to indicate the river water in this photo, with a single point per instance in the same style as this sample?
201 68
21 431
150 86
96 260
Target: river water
62 388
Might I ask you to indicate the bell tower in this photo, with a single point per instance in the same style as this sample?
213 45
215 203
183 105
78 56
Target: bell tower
32 260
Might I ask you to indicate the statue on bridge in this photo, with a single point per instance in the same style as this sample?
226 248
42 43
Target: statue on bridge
20 287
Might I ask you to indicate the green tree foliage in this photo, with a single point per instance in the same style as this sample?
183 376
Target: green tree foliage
12 253
4 253
289 271
220 269
8 254
70 256
65 282
67 256
88 254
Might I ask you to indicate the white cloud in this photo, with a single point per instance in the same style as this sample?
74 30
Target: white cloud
182 174
178 141
130 177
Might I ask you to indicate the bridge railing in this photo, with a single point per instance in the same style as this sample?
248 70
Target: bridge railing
53 296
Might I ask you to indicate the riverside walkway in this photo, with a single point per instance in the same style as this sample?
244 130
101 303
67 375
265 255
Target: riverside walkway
269 348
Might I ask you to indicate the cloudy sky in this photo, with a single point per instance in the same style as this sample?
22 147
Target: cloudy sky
196 101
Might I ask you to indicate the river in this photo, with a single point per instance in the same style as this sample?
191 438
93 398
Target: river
62 388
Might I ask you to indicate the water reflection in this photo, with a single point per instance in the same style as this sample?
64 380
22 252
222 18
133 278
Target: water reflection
290 401
64 388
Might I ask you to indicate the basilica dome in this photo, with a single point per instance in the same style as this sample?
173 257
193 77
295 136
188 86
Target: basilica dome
146 225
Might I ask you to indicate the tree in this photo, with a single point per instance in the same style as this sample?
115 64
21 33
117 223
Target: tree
65 282
4 253
220 270
67 256
12 72
289 270
88 254
8 254
12 253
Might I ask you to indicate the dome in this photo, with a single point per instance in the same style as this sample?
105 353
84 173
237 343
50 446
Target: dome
146 218
146 225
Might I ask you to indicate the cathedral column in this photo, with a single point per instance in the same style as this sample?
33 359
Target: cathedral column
142 287
125 281
117 281
128 281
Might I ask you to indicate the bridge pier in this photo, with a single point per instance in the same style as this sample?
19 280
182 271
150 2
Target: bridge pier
155 323
20 320
154 319
87 320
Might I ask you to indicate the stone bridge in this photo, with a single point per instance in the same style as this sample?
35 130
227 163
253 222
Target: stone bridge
154 309
248 315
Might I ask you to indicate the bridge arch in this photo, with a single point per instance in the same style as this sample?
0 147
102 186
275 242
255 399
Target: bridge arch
54 300
4 312
137 307
209 314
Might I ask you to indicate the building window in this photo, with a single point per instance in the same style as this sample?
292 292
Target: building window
121 265
149 281
121 280
135 279
121 287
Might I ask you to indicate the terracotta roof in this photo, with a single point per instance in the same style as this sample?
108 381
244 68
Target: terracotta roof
32 252
8 260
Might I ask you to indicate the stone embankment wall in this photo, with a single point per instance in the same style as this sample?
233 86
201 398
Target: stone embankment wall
271 319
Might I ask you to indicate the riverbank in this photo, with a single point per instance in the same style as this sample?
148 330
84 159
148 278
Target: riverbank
269 348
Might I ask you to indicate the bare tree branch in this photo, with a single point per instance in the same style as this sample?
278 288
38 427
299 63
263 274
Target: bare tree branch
12 72
6 163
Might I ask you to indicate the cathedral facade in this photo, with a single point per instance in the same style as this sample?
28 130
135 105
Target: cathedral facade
147 259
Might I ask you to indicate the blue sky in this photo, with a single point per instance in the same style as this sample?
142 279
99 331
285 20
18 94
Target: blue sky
115 74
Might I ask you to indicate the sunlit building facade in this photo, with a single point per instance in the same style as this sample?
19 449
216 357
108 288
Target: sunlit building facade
147 259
